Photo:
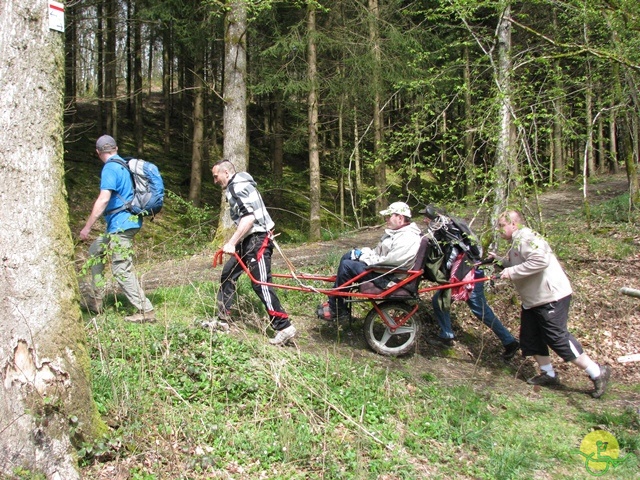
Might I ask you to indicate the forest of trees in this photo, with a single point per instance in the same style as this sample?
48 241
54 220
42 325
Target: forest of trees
466 100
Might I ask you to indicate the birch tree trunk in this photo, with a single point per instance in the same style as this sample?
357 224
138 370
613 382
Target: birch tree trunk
504 148
468 130
44 366
314 157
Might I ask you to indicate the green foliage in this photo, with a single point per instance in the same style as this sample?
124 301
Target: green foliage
193 226
25 474
214 401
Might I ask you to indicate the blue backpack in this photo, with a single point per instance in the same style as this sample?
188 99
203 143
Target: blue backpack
148 188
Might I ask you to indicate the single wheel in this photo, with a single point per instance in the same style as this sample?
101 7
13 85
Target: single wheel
389 341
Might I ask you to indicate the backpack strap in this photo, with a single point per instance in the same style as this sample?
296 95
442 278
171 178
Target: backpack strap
125 203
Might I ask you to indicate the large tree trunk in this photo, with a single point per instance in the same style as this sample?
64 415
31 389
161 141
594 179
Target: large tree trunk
314 157
45 390
235 147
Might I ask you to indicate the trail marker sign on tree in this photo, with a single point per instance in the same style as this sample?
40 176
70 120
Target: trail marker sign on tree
56 16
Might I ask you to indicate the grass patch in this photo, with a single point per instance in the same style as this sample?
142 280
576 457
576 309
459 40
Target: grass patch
187 402
612 233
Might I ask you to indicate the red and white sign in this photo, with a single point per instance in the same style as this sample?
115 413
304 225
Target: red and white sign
56 16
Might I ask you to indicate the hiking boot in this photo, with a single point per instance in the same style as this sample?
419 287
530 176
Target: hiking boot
544 379
600 382
510 350
142 317
282 336
92 305
440 341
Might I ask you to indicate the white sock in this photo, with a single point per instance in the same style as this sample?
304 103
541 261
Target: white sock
593 370
548 369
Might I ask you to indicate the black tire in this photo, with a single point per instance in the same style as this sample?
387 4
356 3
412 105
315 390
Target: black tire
380 337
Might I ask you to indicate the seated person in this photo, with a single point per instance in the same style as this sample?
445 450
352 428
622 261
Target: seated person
397 249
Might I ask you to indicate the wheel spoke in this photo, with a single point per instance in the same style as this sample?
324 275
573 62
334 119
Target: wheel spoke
404 329
386 336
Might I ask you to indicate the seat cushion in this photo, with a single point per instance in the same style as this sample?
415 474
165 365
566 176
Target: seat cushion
369 288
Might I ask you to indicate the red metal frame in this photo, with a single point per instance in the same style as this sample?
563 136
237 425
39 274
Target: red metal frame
343 290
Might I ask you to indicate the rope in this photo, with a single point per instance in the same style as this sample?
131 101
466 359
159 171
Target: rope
290 265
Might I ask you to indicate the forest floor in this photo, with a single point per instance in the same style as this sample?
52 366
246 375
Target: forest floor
604 321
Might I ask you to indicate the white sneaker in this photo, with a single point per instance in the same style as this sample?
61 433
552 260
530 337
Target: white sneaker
283 335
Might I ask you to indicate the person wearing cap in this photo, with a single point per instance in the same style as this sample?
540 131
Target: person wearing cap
116 186
545 292
397 248
449 232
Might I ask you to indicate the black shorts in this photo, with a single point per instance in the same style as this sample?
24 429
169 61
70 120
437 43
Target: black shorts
545 327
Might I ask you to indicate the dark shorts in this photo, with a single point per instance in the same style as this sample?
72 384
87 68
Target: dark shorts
545 327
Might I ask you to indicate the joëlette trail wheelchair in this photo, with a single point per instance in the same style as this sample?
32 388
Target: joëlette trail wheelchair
391 327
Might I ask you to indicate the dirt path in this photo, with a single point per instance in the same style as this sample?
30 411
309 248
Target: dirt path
558 202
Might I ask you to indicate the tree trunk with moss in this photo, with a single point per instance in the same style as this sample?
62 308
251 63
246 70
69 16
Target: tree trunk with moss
46 407
235 147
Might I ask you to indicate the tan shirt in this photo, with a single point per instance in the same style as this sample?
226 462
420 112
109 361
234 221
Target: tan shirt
535 270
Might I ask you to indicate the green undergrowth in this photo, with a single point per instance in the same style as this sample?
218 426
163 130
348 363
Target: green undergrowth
187 402
611 233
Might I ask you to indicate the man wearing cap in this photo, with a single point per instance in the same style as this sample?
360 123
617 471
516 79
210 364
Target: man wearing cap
116 186
452 238
397 248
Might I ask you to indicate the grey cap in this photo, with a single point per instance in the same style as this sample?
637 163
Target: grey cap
106 143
